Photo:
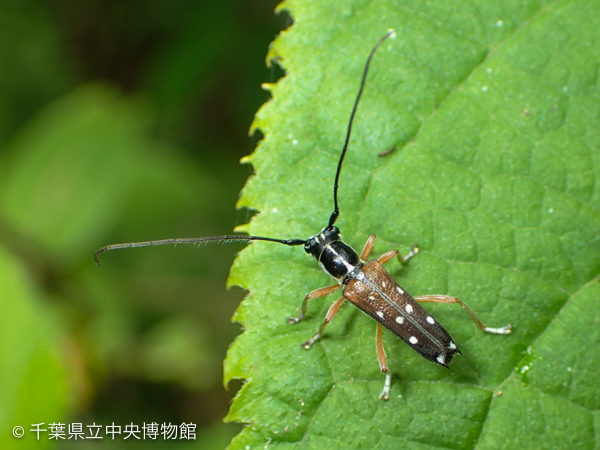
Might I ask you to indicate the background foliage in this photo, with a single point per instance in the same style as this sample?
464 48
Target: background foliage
119 121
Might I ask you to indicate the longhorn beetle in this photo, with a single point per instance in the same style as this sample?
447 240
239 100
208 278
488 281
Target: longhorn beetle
366 285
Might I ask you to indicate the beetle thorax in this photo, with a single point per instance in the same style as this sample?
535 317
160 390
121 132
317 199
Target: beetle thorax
336 258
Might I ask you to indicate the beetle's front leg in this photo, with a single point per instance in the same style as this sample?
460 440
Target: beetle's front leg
331 312
322 292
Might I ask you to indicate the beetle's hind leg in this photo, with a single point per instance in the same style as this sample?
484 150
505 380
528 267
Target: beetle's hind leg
385 393
448 299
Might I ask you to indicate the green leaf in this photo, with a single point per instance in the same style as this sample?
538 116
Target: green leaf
33 379
69 164
494 113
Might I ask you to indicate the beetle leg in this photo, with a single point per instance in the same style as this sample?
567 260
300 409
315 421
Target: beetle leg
402 259
331 312
385 393
388 255
368 247
380 351
447 299
322 292
413 251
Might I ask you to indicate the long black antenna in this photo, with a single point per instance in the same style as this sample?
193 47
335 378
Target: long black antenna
336 211
227 239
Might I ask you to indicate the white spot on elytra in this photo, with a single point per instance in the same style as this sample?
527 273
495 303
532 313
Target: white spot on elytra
441 358
400 290
452 346
408 308
380 314
400 320
413 340
383 284
371 297
430 320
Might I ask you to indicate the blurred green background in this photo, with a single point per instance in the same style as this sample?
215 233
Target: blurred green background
122 120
